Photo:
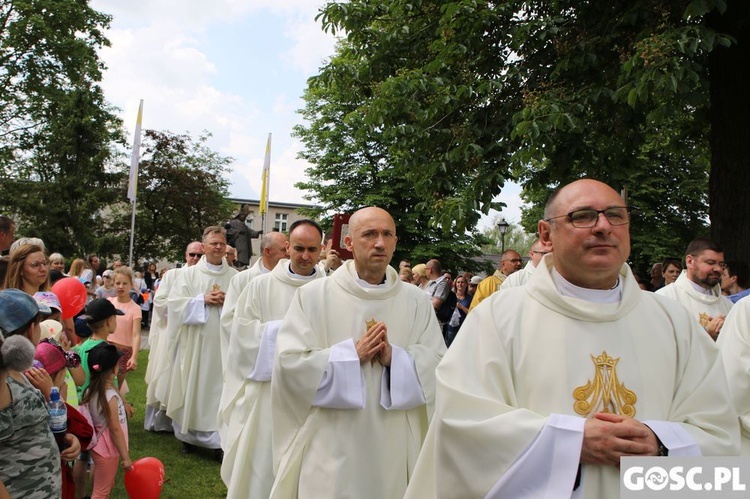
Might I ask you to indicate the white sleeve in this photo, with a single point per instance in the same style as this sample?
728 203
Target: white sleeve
675 438
264 362
400 389
196 312
343 383
549 465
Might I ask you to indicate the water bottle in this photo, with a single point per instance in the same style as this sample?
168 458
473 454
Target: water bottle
58 417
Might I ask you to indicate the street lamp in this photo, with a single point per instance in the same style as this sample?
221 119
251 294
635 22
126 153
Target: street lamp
502 225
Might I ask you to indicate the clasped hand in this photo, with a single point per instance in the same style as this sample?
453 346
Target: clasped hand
608 437
215 298
374 345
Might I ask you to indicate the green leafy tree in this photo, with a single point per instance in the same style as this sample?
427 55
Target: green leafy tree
58 164
464 95
182 189
352 168
48 48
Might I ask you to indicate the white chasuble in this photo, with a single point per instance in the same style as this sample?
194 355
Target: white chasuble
159 362
236 285
195 389
734 344
702 307
530 365
368 452
245 410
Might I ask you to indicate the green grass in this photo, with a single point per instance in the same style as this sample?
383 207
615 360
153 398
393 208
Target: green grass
192 475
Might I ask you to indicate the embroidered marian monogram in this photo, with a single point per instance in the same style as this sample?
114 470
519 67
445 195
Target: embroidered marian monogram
605 393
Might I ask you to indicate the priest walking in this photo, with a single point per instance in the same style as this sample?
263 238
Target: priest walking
353 379
550 384
245 409
194 307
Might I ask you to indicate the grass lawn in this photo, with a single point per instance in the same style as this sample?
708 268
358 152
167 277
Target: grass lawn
192 475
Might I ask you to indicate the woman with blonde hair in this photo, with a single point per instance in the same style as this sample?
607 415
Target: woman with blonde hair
28 269
77 267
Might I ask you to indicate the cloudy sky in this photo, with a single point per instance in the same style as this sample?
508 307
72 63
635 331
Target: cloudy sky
236 68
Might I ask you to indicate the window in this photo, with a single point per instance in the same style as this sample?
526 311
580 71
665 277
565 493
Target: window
281 222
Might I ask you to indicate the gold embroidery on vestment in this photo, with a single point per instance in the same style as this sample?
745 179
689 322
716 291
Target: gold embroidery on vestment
704 319
370 323
605 393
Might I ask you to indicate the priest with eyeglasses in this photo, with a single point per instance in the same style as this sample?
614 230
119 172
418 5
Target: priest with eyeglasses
550 384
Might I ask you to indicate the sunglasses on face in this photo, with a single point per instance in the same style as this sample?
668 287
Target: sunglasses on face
195 255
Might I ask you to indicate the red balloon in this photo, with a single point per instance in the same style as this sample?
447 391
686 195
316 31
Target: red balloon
72 295
145 478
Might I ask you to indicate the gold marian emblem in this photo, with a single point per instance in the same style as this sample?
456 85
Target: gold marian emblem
704 319
605 393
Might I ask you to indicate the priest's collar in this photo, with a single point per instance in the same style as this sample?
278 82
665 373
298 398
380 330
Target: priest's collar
214 268
364 284
700 289
566 288
295 275
263 269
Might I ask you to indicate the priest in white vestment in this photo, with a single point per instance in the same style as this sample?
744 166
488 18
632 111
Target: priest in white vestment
698 288
550 384
245 411
159 363
353 378
521 277
194 308
734 344
272 249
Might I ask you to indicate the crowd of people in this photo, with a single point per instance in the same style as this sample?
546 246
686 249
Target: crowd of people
307 375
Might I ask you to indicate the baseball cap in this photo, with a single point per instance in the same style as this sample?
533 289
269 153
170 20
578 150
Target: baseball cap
475 280
108 273
103 357
17 309
51 329
82 328
100 309
51 357
48 298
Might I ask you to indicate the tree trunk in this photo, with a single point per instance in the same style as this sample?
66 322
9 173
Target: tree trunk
729 180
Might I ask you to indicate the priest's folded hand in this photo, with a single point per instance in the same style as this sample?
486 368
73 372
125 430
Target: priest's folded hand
608 437
370 345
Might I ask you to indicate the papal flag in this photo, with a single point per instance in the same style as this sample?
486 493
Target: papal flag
135 156
266 174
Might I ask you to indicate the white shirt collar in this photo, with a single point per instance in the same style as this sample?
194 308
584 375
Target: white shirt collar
566 288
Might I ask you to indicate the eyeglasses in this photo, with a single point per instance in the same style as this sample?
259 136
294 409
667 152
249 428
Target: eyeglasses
513 260
541 252
585 219
195 255
714 263
36 265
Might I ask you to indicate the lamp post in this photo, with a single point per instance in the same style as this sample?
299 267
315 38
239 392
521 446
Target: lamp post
502 225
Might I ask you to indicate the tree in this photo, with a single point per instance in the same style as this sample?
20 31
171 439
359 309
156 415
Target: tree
57 134
182 189
49 47
352 169
464 95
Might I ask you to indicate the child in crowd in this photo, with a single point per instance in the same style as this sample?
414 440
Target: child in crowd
53 359
108 415
127 335
100 321
29 455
